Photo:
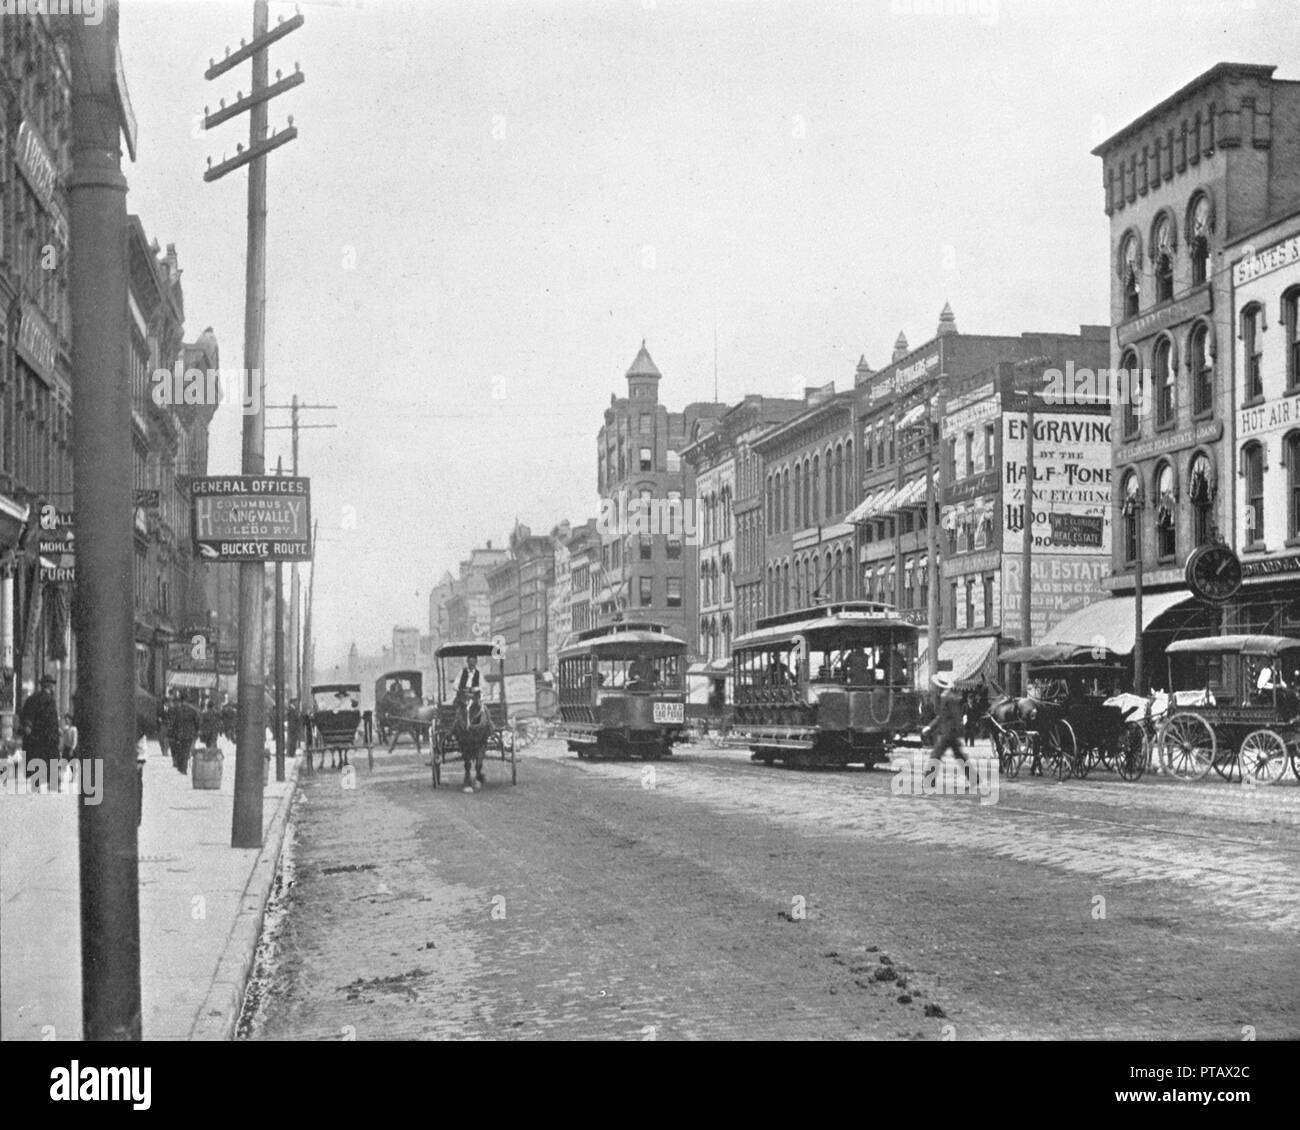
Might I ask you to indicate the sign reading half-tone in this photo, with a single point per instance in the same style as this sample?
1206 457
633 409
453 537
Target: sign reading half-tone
252 518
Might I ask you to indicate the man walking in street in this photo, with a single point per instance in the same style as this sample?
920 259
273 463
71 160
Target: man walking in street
42 734
948 722
209 724
184 731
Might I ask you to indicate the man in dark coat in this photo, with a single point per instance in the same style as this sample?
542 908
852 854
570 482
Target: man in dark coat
41 734
948 722
184 731
209 724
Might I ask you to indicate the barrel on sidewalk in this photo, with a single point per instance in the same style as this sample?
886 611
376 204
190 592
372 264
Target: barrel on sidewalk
207 767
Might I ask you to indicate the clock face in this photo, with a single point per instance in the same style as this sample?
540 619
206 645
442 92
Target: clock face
1214 573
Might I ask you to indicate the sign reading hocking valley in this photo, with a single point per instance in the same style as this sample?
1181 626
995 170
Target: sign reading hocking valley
252 518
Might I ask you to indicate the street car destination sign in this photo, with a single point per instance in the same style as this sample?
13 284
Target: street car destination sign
251 518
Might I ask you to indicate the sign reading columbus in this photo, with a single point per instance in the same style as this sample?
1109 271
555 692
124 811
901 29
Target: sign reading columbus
251 518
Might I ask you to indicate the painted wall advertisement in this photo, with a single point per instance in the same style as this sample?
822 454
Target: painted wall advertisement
1072 473
1060 583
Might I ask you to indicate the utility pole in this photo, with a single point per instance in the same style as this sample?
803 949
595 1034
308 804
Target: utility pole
931 541
246 825
279 658
1133 506
103 611
1032 387
299 680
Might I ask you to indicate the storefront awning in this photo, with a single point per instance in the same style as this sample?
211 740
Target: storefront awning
869 507
192 680
1112 623
973 659
911 416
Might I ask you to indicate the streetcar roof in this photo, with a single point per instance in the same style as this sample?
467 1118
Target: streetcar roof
626 642
836 618
1238 644
463 649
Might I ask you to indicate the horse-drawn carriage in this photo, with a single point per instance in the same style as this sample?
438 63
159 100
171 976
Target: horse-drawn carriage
1069 716
1247 721
336 718
471 721
400 707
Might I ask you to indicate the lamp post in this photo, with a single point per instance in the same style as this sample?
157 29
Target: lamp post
1132 508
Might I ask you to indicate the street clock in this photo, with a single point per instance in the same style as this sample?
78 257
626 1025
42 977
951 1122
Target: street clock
1213 573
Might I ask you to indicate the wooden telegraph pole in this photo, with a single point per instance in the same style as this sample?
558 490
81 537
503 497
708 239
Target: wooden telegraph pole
103 612
246 828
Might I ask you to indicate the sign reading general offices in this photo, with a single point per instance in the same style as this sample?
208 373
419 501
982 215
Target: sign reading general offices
251 518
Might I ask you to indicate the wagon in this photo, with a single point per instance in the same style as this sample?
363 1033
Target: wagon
336 718
1247 725
1069 717
399 695
448 660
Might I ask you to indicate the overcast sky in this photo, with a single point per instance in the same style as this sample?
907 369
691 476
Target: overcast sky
490 204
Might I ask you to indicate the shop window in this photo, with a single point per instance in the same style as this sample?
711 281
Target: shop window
1252 459
1291 445
1166 533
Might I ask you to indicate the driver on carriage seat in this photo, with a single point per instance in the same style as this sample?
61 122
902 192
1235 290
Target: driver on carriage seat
471 678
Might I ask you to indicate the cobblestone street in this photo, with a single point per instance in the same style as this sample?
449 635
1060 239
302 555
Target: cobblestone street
705 897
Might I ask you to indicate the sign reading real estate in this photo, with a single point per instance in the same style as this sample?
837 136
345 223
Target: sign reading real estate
1060 584
1072 473
251 518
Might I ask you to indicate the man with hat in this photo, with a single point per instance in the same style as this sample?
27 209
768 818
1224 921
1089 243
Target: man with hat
41 732
949 721
184 732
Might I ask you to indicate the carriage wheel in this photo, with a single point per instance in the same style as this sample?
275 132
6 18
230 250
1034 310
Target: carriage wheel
1087 759
1188 746
1133 753
1011 753
514 772
1063 749
1262 757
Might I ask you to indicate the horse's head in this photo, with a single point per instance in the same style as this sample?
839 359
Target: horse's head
471 713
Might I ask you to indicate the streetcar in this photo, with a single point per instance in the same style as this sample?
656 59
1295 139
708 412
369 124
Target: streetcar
832 685
622 691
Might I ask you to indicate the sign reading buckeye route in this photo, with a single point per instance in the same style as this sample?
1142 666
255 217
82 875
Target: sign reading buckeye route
252 518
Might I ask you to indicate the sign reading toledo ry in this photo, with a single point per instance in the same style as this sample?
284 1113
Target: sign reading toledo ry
252 518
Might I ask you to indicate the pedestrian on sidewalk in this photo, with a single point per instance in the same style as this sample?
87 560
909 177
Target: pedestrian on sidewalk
164 724
948 722
41 733
184 731
209 724
295 726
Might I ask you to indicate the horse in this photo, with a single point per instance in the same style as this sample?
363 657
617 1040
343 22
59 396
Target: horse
1005 711
471 729
417 721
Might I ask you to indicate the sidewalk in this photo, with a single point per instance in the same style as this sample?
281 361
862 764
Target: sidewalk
201 904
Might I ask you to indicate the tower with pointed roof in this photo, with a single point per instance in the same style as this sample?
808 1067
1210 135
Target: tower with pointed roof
643 378
947 321
900 347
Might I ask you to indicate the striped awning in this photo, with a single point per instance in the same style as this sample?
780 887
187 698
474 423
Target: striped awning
869 507
193 680
911 416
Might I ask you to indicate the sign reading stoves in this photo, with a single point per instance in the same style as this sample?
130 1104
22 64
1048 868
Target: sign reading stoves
252 518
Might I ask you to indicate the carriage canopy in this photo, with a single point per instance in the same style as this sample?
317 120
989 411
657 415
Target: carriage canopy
1235 645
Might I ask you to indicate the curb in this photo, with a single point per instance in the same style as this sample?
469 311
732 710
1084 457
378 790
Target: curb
219 1013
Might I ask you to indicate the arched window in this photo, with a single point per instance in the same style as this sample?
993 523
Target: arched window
785 587
798 583
1200 218
850 477
1162 257
807 492
1130 273
1163 378
798 488
1252 465
816 488
1291 319
1291 450
1131 391
771 524
1200 493
1131 493
1202 367
785 499
1165 508
839 574
1252 334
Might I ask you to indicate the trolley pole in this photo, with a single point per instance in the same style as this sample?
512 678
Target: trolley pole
246 824
103 612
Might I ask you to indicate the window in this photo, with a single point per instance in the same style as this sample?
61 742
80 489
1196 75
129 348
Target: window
880 443
1162 376
1200 490
850 499
645 547
674 549
1166 535
798 486
1132 394
988 600
867 452
970 455
785 499
1291 318
1291 447
1202 366
952 605
646 422
1252 458
812 491
1131 495
990 444
647 459
1162 242
952 456
970 602
1252 332
1129 274
1199 243
646 591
